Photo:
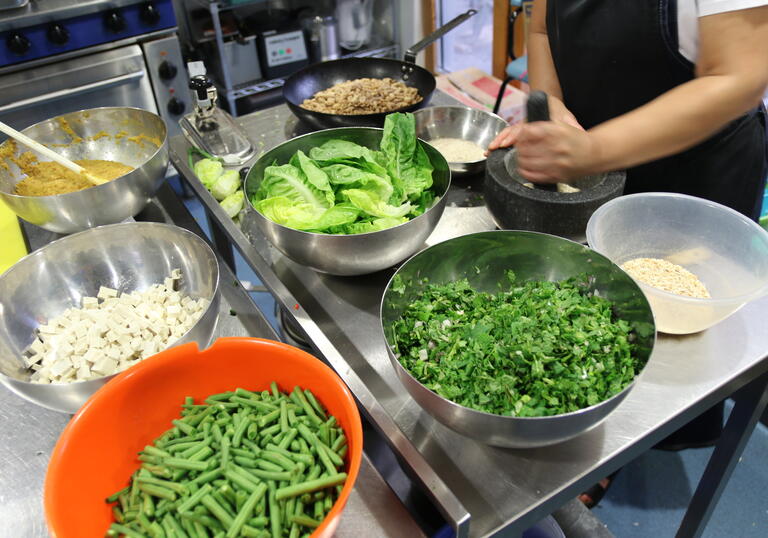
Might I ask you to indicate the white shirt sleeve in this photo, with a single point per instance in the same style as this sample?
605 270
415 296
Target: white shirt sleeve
713 7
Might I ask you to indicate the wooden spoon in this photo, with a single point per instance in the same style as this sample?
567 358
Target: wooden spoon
41 149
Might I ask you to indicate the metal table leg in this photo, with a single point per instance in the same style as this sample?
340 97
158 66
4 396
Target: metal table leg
750 402
221 241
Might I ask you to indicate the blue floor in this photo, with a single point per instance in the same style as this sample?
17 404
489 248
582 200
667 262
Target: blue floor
649 496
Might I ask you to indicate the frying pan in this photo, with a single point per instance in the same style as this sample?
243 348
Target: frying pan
320 76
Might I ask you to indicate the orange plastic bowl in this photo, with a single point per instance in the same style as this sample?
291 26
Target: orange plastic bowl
96 453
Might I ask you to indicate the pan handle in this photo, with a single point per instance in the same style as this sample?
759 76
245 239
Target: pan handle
410 54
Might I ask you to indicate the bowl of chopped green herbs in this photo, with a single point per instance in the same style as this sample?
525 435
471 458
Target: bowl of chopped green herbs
348 201
517 339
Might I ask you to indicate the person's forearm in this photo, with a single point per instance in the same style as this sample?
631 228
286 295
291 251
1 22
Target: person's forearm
673 122
541 69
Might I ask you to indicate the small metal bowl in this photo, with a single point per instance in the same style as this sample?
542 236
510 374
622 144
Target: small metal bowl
484 258
344 255
461 122
120 134
126 257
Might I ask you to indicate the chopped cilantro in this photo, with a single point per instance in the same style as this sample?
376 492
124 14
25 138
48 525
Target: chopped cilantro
533 349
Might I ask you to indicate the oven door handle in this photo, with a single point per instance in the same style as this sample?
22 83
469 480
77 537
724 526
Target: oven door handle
68 92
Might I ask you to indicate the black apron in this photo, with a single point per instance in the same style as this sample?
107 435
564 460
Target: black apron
613 56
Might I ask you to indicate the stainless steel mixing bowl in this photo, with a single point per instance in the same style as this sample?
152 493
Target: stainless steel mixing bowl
112 134
345 255
127 257
483 258
460 122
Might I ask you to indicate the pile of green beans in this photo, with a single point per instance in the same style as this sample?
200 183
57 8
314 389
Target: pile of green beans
264 464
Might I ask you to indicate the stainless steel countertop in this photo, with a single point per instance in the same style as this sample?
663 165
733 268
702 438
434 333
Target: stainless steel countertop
28 433
485 490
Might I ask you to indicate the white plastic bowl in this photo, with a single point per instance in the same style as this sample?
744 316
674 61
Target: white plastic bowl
726 250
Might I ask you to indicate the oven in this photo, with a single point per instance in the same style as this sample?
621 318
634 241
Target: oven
59 56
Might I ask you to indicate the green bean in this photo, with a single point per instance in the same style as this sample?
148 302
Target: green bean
148 506
275 390
278 459
247 394
246 453
338 443
217 510
342 451
157 470
178 531
178 488
306 407
255 404
288 438
188 527
333 456
252 432
119 517
283 416
268 466
157 530
194 449
219 397
158 491
274 515
184 427
305 521
179 463
191 501
224 449
246 511
259 522
127 531
318 509
239 431
224 503
152 451
203 454
315 405
310 486
204 520
269 418
204 478
115 496
244 482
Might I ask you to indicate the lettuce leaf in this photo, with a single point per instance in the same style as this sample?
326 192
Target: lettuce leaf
290 182
341 187
405 158
375 206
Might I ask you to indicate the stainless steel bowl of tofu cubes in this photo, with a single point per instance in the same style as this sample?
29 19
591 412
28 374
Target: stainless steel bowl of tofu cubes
87 306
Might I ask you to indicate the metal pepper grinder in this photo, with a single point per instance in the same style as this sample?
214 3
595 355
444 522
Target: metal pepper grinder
210 128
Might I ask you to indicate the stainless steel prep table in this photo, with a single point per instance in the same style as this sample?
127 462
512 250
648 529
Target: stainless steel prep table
481 490
28 432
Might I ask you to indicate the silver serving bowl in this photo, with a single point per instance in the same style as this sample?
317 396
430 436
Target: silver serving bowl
461 122
126 257
345 255
483 258
100 133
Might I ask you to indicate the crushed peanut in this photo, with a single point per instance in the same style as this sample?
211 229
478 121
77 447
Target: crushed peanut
666 276
363 96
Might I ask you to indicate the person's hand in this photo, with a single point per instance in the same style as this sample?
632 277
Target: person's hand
557 113
549 152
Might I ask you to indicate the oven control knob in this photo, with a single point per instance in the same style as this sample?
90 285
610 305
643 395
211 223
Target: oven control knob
176 106
57 34
114 22
149 14
18 43
167 70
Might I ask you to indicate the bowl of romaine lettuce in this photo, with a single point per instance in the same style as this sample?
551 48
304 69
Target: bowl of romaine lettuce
348 201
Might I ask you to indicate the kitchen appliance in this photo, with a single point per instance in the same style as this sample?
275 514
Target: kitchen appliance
320 76
241 56
516 204
282 51
210 128
355 22
322 34
64 56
